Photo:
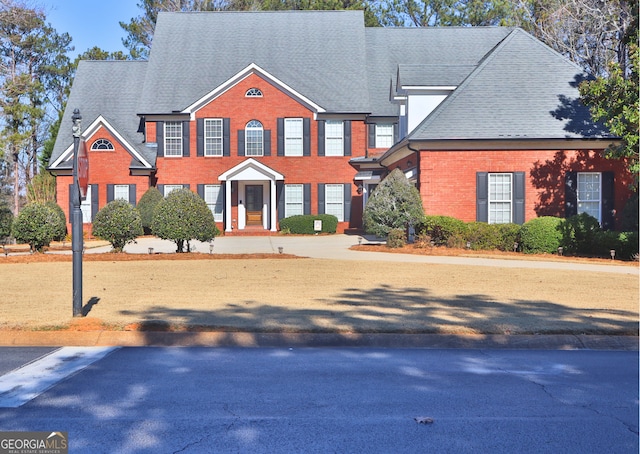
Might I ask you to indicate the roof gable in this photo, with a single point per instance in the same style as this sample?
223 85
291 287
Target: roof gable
246 72
320 55
523 90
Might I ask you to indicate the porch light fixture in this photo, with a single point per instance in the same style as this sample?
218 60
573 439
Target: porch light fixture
613 254
360 189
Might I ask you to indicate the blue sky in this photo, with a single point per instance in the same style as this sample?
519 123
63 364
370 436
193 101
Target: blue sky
91 22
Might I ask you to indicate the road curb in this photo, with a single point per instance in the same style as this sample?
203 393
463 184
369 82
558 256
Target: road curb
300 340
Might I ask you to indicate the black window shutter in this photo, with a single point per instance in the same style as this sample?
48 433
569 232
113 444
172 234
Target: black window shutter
482 196
571 194
94 201
200 190
200 137
186 135
226 137
306 189
110 193
347 138
320 198
280 141
266 142
347 202
518 198
306 137
240 142
280 199
160 137
132 194
608 201
161 189
321 138
372 136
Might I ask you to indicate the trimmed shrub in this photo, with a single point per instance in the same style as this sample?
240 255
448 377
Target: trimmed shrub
147 205
483 236
395 204
541 235
624 243
303 224
37 225
118 222
61 232
509 236
579 233
442 228
396 238
6 219
183 216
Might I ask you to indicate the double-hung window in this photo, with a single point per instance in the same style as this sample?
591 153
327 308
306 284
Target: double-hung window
334 138
500 198
173 138
384 135
589 194
294 199
213 137
121 191
293 142
254 138
215 202
168 188
334 200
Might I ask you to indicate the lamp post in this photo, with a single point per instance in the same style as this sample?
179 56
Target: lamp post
76 219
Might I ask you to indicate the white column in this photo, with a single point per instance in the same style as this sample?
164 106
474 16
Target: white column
273 205
227 206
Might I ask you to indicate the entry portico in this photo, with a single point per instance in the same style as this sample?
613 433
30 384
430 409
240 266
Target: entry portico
255 186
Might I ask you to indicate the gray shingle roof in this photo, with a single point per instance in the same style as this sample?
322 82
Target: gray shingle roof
110 89
446 47
319 54
522 89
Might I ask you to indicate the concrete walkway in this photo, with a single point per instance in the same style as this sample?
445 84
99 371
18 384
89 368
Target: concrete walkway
337 247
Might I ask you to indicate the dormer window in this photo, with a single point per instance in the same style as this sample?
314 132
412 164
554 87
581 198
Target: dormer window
254 93
102 145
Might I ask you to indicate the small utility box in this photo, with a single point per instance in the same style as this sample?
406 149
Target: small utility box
317 225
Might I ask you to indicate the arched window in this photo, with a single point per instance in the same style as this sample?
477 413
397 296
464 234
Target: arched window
253 93
101 145
253 138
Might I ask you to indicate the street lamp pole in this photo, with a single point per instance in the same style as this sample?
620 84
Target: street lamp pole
76 220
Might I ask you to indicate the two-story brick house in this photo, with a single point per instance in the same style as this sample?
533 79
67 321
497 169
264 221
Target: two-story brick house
271 114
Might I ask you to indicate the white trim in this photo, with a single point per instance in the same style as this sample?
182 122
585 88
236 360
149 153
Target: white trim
239 77
260 172
429 87
90 131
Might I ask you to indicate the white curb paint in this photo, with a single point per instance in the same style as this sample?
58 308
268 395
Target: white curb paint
21 385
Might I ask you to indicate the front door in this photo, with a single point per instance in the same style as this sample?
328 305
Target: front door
253 197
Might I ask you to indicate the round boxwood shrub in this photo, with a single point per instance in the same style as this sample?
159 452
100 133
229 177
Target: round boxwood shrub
443 230
509 236
183 216
541 235
118 222
147 205
304 224
396 238
61 232
37 225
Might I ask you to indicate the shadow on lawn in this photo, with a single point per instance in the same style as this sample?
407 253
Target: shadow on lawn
354 313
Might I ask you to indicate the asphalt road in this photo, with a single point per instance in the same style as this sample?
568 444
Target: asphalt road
192 400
